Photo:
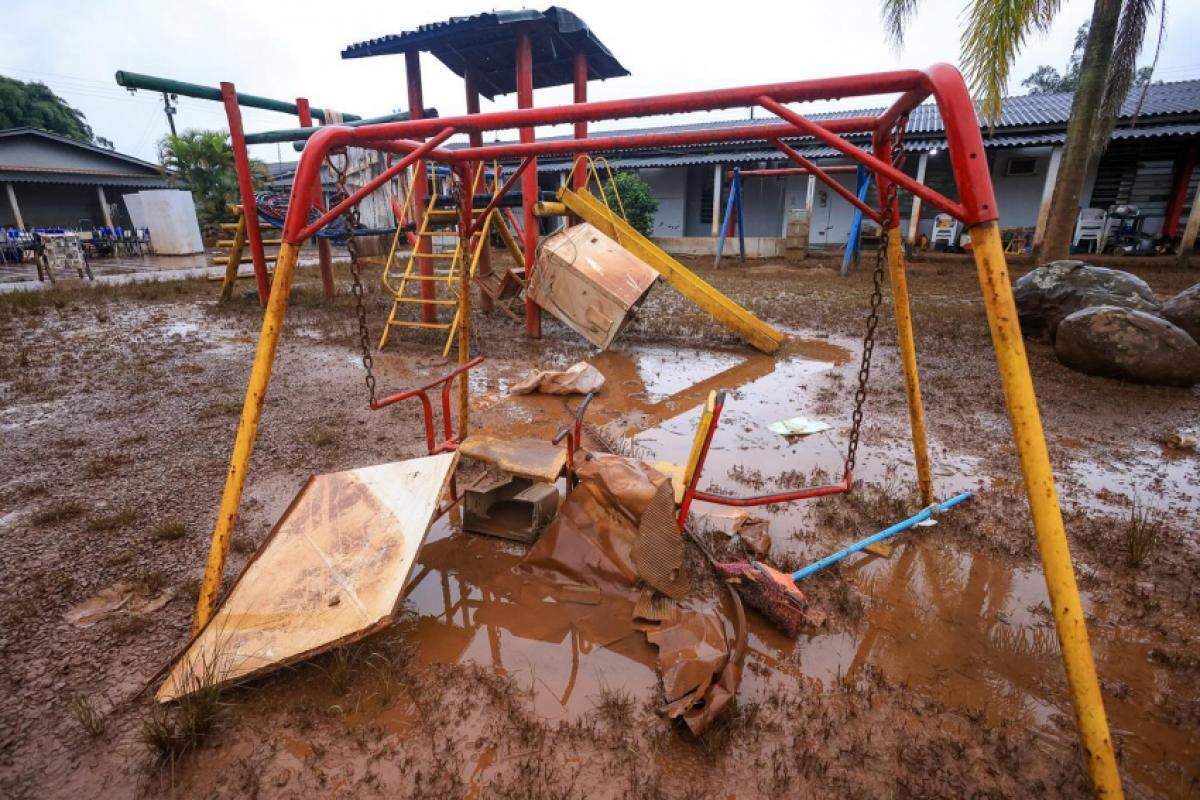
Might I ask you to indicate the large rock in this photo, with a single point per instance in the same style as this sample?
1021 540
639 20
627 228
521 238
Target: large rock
1049 294
1184 310
1128 344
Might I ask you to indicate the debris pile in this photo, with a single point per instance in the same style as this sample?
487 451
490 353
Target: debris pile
610 542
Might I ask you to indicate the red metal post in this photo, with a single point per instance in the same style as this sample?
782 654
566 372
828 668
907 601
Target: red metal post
1183 179
324 248
825 136
484 269
739 133
529 181
417 151
416 106
500 193
581 128
825 178
709 100
241 165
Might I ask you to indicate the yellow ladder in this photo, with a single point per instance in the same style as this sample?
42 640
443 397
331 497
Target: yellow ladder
235 255
412 276
502 289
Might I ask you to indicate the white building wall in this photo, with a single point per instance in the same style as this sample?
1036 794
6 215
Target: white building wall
669 187
1019 196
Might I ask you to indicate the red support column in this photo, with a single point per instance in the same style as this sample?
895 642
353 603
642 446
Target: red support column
529 181
416 105
1183 178
241 165
581 128
484 270
324 248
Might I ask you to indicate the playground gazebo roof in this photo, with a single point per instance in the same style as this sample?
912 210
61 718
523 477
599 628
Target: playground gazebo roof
486 44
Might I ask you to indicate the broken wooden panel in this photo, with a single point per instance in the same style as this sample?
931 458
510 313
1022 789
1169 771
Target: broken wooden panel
589 282
526 458
331 571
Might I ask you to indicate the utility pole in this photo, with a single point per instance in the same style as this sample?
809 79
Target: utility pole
169 110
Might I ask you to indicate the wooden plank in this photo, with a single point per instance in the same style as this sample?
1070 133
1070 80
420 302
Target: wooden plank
528 458
687 283
332 571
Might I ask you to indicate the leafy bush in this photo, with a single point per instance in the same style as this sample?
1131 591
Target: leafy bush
640 205
202 161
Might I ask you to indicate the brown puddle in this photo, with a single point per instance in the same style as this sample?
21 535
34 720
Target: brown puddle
964 628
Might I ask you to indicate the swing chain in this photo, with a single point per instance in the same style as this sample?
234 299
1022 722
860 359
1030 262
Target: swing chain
868 345
352 217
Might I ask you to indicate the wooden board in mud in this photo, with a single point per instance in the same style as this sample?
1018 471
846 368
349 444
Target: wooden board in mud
331 572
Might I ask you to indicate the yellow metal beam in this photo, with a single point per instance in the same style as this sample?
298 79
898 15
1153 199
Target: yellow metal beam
235 256
548 209
687 283
908 359
1030 440
706 418
266 242
243 445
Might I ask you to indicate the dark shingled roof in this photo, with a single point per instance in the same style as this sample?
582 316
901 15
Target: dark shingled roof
487 44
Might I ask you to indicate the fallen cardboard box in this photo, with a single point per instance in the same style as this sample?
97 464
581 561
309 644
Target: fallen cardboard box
589 282
332 571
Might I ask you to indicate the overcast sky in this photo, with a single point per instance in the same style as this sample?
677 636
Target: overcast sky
289 49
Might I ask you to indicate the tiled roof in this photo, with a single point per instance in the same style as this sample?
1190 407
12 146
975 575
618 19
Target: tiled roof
486 43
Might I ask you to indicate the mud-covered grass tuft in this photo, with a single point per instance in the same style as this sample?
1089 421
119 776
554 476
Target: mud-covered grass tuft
168 531
83 710
1144 529
105 466
614 705
59 512
171 731
113 522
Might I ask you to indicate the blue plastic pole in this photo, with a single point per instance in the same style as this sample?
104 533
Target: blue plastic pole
879 537
864 186
735 187
737 178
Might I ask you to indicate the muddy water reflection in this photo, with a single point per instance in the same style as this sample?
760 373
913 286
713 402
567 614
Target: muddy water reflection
963 628
474 606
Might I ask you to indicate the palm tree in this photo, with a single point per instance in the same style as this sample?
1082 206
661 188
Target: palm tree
993 35
202 161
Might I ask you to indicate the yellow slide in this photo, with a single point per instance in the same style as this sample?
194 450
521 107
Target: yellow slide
588 208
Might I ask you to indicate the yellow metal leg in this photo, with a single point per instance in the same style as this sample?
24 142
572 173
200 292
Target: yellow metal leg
256 391
706 418
1043 505
908 358
235 255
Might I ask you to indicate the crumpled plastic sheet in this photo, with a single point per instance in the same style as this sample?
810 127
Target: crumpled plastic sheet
579 378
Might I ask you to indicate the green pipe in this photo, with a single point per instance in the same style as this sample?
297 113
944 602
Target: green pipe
134 80
302 134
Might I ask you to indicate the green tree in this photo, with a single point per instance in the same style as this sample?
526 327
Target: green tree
34 105
1047 80
993 35
203 162
636 198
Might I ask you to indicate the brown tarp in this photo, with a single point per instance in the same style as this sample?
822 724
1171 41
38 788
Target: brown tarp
591 544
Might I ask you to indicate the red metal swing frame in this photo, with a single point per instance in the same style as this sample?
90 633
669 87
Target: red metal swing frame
976 207
941 81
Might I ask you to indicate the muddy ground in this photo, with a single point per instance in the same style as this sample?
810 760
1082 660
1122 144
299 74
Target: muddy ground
937 674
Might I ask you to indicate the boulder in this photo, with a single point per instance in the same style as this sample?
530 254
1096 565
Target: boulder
1184 310
1049 294
1128 344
